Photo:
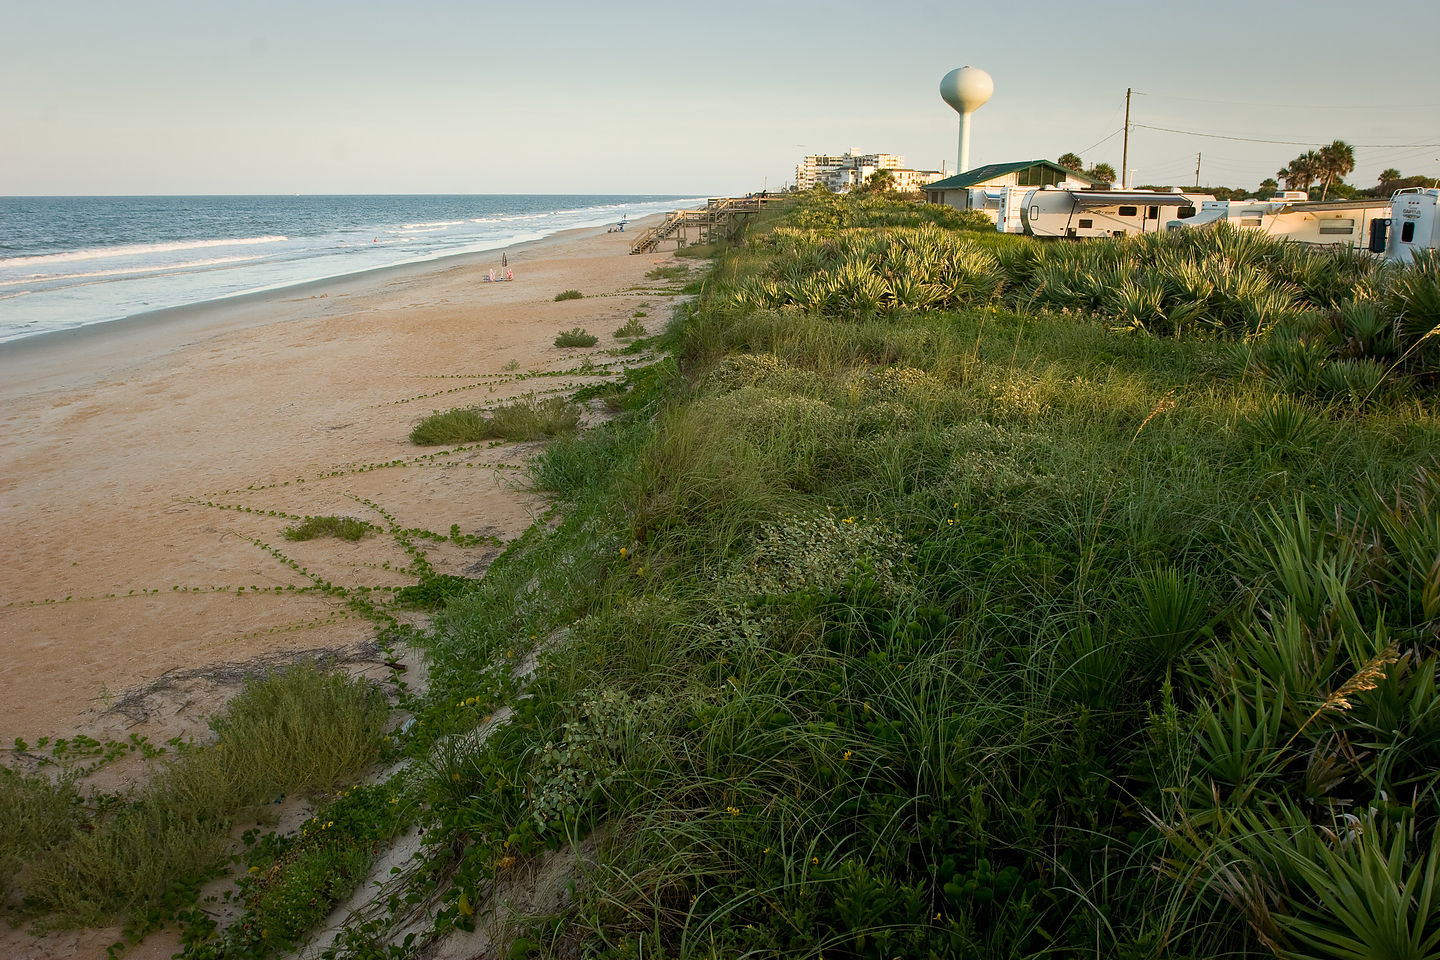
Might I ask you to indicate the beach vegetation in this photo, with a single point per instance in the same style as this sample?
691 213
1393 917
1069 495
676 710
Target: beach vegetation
959 595
529 418
293 880
678 271
89 859
343 528
576 337
568 295
630 329
701 251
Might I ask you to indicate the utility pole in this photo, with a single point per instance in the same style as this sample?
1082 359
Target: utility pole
1197 170
1125 151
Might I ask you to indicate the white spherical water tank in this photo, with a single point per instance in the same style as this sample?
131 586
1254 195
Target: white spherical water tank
966 89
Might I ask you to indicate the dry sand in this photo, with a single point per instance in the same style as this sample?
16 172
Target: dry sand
112 440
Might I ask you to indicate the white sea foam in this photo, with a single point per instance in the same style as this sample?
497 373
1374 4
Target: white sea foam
437 223
518 216
35 278
132 250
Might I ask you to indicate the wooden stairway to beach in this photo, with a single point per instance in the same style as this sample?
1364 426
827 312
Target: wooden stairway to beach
721 217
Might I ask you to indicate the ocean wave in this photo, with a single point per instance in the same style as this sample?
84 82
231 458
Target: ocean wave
126 271
437 223
511 218
133 250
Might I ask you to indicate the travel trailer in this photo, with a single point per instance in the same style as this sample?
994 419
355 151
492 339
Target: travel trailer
1414 225
1290 216
1009 207
1063 212
1002 203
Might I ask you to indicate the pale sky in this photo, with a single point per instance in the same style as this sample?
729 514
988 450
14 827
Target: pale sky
567 96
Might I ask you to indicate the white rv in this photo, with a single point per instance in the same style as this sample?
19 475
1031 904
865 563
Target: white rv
1291 217
1061 212
1249 213
1414 224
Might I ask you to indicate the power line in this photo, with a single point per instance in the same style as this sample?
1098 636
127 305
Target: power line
1317 106
1291 143
1099 142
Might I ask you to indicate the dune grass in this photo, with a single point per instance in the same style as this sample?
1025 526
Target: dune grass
569 295
76 859
677 271
529 418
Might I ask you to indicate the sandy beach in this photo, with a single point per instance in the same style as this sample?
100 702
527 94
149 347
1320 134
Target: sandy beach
131 584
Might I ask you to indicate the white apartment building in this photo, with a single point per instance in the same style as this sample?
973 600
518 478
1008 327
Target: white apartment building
844 172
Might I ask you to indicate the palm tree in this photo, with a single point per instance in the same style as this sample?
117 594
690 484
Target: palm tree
1389 175
1071 161
1103 172
1336 160
1301 172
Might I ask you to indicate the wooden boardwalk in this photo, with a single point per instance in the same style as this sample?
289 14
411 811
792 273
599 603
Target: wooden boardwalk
721 219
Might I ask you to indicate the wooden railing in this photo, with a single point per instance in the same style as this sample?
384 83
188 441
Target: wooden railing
721 217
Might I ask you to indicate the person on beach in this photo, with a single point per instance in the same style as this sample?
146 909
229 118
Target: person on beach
504 261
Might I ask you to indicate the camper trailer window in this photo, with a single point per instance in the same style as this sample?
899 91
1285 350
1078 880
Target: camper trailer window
1086 224
1249 221
1337 226
1153 213
1185 213
1129 211
1407 232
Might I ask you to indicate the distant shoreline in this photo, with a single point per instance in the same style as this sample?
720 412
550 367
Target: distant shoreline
71 263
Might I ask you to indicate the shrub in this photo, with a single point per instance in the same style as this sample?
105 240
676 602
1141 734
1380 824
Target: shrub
461 425
676 272
568 295
576 337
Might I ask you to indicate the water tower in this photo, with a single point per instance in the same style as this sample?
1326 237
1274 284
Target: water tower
966 90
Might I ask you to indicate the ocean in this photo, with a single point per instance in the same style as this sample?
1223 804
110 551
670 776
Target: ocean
67 262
